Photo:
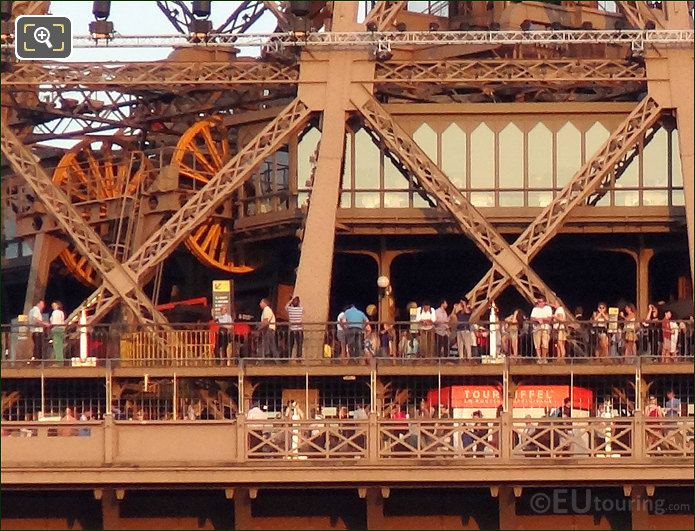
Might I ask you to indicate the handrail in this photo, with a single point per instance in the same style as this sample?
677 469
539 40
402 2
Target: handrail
205 344
496 440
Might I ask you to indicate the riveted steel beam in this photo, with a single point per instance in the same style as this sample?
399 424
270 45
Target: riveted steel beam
200 206
594 174
118 279
433 180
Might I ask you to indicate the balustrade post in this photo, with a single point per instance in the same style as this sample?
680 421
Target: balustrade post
638 436
506 438
110 439
373 438
241 437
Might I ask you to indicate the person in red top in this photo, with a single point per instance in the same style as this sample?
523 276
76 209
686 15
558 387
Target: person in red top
652 410
666 335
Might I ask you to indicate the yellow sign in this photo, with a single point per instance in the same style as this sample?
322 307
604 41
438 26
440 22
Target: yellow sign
221 285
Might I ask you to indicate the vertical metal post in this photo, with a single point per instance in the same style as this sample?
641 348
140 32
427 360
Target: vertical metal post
175 398
505 385
571 390
108 392
43 395
306 394
439 391
240 388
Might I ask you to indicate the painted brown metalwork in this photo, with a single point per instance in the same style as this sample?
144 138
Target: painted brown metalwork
116 276
198 208
436 183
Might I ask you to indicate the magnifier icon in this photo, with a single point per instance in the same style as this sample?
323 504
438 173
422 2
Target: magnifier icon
42 35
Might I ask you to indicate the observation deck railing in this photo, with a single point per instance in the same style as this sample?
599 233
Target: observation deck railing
501 441
208 344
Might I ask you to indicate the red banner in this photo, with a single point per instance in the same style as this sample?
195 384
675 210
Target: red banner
526 396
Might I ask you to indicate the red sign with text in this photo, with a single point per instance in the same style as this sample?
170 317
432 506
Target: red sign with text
526 396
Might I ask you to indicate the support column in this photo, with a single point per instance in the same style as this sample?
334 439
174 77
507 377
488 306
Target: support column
375 509
109 510
325 85
316 259
644 257
507 507
46 248
243 519
670 71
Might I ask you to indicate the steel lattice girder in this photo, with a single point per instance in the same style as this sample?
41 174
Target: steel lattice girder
383 14
201 205
638 13
169 74
467 72
593 175
172 75
118 280
435 182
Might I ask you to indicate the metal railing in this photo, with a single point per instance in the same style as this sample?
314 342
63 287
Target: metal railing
669 437
441 438
207 344
500 441
573 438
307 439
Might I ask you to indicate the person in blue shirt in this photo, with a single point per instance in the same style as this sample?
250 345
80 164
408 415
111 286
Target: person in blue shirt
356 319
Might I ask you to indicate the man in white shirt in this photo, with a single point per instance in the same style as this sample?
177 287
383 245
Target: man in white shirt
425 317
340 335
37 326
541 317
269 346
224 320
441 330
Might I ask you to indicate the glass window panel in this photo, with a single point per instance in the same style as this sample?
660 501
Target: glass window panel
302 199
511 158
347 164
655 197
282 169
454 155
483 162
677 176
539 199
305 149
625 198
655 161
677 198
426 138
345 200
569 153
393 178
421 202
595 137
483 199
367 200
540 157
511 199
396 199
605 200
630 177
367 162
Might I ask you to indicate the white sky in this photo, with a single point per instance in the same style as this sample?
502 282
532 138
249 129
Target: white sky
141 18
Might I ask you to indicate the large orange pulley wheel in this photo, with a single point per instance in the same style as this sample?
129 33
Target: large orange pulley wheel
99 169
201 151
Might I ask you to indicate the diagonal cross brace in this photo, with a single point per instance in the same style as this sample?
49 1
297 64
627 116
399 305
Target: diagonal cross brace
202 204
593 175
118 280
383 14
433 180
